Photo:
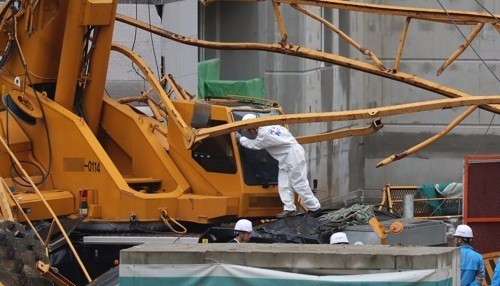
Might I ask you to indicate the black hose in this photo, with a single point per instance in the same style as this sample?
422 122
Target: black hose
394 214
9 49
13 167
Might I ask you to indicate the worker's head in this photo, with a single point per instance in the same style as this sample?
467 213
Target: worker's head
249 116
463 235
339 238
243 230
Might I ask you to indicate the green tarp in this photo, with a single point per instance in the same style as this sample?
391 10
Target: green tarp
252 87
210 84
429 191
207 70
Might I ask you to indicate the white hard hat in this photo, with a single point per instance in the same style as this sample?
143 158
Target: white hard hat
338 237
243 225
463 231
248 116
358 243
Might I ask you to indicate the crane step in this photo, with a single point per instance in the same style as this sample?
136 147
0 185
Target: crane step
142 181
149 185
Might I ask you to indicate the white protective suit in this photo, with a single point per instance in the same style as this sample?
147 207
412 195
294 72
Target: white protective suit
281 144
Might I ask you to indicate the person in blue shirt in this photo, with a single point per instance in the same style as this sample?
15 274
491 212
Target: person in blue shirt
471 262
496 275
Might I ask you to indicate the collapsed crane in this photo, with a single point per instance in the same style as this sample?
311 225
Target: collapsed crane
71 151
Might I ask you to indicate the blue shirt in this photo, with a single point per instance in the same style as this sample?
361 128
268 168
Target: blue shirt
472 266
496 275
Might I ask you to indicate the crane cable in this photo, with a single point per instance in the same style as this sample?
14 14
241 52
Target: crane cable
152 42
489 12
463 35
46 173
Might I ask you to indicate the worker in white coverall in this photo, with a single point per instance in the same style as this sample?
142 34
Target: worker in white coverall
281 144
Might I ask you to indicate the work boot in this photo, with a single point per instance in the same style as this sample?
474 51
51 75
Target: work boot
313 212
285 213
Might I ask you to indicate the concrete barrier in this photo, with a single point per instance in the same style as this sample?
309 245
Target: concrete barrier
317 260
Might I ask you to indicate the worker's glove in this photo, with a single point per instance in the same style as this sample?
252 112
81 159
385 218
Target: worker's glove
237 135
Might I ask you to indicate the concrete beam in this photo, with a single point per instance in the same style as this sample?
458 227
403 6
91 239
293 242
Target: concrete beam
299 258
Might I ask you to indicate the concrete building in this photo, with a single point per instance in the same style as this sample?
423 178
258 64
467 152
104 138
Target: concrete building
301 85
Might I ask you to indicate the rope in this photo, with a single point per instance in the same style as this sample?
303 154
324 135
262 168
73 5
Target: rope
166 220
354 215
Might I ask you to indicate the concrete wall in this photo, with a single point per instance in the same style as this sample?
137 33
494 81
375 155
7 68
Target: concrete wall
124 79
180 60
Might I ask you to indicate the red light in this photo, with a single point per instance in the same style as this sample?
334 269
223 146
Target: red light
83 194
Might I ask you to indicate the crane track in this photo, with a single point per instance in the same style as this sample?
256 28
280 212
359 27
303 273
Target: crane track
19 253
